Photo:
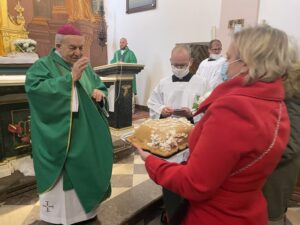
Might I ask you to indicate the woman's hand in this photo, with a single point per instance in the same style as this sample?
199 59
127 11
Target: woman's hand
142 153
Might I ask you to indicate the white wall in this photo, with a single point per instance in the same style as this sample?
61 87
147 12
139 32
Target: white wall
236 9
281 14
152 34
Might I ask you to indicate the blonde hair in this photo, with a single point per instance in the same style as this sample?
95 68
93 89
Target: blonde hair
265 51
292 82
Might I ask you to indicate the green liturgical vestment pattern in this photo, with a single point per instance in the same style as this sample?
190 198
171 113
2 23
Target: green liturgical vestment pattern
75 145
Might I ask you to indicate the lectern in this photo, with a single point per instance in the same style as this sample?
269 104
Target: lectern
118 79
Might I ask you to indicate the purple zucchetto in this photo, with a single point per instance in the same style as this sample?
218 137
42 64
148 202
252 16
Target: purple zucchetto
68 29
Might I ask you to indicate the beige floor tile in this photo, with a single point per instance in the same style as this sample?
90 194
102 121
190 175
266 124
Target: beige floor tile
117 191
294 215
122 169
138 160
33 216
139 178
14 215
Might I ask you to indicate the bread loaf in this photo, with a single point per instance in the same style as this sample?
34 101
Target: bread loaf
163 137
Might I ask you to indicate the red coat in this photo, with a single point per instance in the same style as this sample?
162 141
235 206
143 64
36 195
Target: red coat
236 130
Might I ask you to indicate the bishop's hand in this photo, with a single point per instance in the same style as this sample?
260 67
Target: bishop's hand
78 67
98 95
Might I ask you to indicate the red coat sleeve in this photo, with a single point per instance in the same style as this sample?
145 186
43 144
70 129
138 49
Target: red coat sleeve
227 129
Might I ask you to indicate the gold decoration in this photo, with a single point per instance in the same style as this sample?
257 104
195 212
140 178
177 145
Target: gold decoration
126 89
80 10
11 28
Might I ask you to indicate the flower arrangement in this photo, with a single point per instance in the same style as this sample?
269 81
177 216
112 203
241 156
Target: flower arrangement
198 100
25 45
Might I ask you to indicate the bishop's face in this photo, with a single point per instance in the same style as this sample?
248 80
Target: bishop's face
71 48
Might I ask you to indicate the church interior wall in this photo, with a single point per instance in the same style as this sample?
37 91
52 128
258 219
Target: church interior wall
152 34
236 9
282 15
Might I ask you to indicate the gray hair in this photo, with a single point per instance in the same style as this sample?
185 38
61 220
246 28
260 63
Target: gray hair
213 41
59 38
182 48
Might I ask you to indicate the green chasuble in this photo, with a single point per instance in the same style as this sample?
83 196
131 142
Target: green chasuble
75 145
127 57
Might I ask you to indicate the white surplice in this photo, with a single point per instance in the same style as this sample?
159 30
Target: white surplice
62 207
211 70
176 94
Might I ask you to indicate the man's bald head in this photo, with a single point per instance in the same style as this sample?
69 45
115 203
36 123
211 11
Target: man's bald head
180 56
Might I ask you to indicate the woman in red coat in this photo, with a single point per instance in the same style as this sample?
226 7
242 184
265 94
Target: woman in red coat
240 138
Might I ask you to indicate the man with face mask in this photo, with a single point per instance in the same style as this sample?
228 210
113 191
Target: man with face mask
174 95
210 68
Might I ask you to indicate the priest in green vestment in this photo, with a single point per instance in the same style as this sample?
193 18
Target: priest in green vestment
124 54
71 141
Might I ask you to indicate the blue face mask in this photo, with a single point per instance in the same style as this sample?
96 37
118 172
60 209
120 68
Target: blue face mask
224 70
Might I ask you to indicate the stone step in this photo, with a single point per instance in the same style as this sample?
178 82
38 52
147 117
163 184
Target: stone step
132 206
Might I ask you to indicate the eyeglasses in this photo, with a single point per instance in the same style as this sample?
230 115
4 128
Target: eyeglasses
216 49
180 66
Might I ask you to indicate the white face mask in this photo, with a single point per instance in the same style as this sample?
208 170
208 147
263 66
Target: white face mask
215 56
180 73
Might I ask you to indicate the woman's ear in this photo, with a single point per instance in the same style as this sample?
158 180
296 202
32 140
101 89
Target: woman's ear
244 68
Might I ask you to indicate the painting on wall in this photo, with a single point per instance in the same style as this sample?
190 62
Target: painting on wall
133 6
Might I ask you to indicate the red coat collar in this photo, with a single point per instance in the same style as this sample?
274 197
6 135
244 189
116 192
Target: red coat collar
272 91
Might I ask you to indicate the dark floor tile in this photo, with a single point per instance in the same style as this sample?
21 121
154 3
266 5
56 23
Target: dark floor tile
93 221
293 204
121 180
40 222
140 115
127 160
139 169
27 198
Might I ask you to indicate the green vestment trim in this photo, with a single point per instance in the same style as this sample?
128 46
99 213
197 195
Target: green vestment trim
76 145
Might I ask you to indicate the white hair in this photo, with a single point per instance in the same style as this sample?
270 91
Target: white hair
59 38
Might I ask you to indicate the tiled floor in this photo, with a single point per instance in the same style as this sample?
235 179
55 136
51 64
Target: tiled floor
23 210
127 173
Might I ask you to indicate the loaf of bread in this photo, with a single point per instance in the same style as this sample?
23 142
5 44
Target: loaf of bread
163 137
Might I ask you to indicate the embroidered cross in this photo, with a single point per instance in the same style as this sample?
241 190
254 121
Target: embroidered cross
48 206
